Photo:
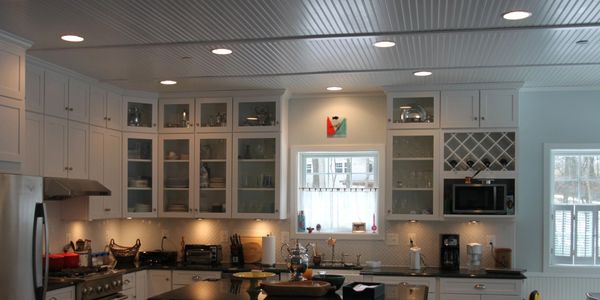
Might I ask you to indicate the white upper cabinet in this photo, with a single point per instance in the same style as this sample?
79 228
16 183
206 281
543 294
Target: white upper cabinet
213 115
12 68
140 114
56 94
105 167
34 95
65 148
140 175
34 141
176 175
176 116
212 172
12 132
114 111
499 108
78 139
480 109
79 101
256 114
413 110
97 106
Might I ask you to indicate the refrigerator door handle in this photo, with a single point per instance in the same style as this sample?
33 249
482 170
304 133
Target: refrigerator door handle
40 291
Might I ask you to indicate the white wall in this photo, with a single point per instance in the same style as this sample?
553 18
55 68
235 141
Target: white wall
567 116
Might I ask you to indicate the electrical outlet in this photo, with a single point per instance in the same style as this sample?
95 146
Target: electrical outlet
224 236
490 240
164 233
285 237
412 237
392 239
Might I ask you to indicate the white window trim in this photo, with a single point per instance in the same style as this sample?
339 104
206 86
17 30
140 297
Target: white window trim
548 267
295 162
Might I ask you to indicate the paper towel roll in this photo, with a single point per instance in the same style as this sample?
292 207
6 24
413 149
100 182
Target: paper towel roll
268 245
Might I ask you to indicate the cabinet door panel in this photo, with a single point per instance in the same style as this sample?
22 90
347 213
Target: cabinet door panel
460 109
12 132
159 282
12 77
34 140
97 141
56 89
55 147
141 279
79 101
97 106
459 297
112 173
114 107
34 95
498 108
78 150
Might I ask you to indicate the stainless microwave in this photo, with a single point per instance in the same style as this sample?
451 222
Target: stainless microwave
484 199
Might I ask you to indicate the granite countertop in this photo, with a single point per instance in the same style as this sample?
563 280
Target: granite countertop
225 268
437 272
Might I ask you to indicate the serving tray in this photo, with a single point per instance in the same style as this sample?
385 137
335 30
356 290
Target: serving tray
307 288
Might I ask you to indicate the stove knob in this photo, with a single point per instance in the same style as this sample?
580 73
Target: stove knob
107 287
119 283
84 290
99 289
114 283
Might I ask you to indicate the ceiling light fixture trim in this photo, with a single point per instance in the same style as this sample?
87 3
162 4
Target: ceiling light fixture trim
516 15
72 38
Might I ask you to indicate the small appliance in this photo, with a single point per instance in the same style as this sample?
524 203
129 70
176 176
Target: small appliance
484 197
474 251
449 252
415 258
203 254
164 258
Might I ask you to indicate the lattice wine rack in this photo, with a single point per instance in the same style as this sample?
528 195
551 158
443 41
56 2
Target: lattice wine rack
494 151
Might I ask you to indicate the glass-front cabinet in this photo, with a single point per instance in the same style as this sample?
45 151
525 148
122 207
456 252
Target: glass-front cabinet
176 116
213 114
410 110
141 114
175 175
140 170
413 192
212 172
253 114
256 172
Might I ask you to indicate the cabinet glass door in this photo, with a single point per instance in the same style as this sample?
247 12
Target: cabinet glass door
413 178
213 175
213 115
175 175
256 114
141 114
413 110
176 115
140 176
255 158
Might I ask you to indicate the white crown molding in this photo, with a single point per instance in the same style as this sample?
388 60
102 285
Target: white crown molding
446 87
559 88
15 39
337 95
236 93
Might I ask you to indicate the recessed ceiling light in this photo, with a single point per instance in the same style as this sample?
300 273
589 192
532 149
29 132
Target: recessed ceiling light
168 82
384 44
334 88
516 15
222 51
422 73
582 42
72 38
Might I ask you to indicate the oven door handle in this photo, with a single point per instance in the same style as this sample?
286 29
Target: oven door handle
115 297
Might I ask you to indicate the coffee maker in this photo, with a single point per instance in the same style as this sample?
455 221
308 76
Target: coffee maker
449 252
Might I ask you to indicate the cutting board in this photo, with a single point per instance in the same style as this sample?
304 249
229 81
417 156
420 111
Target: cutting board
252 249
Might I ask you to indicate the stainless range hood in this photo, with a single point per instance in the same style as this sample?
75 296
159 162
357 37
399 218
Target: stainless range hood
56 188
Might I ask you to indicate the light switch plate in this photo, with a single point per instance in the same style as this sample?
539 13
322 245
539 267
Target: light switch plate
391 239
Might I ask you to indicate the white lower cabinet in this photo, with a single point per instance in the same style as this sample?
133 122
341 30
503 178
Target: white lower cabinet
134 285
67 293
430 282
480 289
159 281
184 278
141 284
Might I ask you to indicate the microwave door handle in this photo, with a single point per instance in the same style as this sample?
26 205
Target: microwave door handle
36 254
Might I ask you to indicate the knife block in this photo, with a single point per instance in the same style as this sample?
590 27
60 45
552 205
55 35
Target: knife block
237 255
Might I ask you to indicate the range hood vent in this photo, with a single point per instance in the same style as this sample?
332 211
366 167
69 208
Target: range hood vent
56 188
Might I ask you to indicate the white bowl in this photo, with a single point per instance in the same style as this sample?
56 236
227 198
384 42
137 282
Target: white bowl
373 263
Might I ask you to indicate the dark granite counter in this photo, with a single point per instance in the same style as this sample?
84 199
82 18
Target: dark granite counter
225 268
437 272
59 285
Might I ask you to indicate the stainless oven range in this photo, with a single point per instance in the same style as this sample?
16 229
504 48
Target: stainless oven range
100 285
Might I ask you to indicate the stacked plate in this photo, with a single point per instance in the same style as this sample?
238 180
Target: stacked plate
176 208
217 182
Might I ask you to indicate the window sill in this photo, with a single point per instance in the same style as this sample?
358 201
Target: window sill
367 236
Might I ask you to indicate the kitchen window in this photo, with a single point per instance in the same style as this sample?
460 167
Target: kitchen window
337 191
573 195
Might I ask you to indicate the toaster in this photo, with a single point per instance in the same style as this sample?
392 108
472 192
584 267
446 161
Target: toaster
203 254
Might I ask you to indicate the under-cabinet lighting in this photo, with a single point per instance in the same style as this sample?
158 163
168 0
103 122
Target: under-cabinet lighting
168 82
72 38
199 219
516 15
129 218
473 222
405 107
422 73
258 220
222 51
384 44
413 221
334 88
252 118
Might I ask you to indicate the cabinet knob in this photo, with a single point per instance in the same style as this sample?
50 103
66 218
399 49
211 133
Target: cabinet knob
277 210
105 118
126 281
167 279
197 124
70 168
389 211
277 123
482 118
154 209
107 209
70 109
475 118
389 120
190 210
66 108
153 124
66 168
110 119
480 286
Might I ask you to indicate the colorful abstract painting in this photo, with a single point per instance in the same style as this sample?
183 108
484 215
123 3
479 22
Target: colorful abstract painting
336 126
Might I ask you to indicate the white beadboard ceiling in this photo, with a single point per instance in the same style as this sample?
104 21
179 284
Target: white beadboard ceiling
307 45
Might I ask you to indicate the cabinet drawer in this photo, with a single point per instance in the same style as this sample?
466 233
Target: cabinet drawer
67 293
459 297
128 281
190 277
430 282
481 287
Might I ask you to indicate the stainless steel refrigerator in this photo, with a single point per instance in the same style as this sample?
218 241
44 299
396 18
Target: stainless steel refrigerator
23 232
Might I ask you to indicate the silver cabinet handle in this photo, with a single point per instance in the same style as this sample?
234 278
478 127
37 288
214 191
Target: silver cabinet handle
475 118
107 209
196 278
482 118
126 281
70 109
480 286
105 118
